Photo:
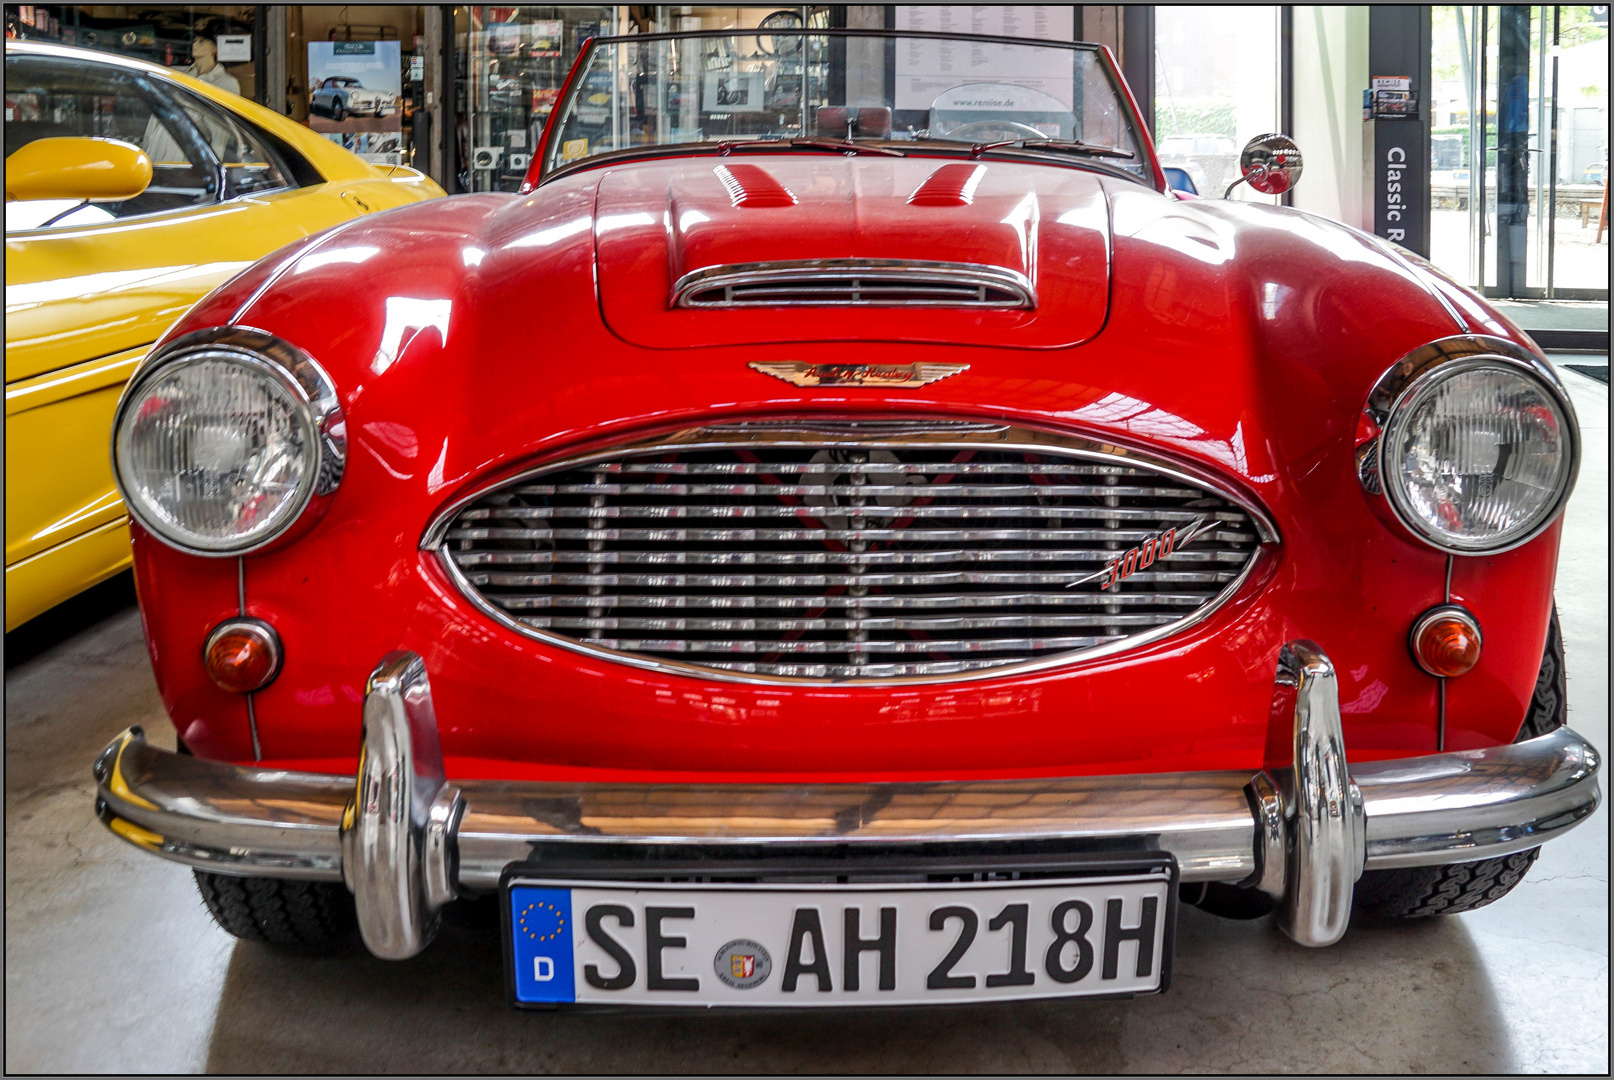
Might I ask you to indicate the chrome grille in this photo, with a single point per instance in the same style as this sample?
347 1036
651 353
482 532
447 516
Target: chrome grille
845 551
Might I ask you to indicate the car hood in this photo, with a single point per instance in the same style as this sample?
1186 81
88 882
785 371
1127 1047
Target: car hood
656 222
1241 337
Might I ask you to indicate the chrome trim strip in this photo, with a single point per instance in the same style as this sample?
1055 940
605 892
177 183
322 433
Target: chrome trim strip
825 433
406 840
1408 377
887 274
294 369
394 852
1327 819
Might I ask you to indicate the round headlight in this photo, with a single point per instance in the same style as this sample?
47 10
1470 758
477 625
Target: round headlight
219 449
1478 455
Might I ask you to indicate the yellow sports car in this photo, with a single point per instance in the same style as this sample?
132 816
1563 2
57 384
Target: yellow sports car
131 191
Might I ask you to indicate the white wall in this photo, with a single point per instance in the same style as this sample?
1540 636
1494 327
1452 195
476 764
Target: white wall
1330 51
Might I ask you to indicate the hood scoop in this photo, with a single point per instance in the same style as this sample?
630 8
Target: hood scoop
695 253
750 185
854 283
950 185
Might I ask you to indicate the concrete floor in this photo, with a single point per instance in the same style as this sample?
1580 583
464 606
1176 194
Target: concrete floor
113 965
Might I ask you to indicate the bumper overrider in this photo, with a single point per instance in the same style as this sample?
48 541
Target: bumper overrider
406 840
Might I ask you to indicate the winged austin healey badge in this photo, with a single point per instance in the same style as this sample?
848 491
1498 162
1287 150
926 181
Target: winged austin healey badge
802 373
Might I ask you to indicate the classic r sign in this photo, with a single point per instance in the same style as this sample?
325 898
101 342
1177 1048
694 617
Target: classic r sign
1394 203
1395 143
1400 182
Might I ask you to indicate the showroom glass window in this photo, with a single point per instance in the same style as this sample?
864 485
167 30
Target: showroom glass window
1216 87
49 97
1557 120
163 34
517 58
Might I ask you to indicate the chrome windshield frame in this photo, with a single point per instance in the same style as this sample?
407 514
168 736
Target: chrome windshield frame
540 173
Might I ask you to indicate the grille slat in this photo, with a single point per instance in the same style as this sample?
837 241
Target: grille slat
798 648
873 468
934 536
929 625
822 558
933 602
903 491
818 581
841 550
1123 513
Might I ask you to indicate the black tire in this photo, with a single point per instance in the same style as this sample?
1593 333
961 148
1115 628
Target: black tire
297 916
1549 705
338 112
1416 892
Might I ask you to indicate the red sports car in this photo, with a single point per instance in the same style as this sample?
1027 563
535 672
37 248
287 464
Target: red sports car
846 532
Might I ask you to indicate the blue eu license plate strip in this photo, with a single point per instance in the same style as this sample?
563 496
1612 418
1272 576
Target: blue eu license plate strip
541 928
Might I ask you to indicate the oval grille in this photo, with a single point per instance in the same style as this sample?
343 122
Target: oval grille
844 551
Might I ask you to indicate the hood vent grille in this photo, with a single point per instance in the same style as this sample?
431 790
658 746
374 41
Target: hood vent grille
854 283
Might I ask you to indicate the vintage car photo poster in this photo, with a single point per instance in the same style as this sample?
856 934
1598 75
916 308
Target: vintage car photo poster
354 96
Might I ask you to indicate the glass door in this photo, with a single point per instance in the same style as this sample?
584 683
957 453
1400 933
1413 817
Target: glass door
1519 149
1570 200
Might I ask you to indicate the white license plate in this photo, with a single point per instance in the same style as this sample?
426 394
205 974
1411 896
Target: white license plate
803 945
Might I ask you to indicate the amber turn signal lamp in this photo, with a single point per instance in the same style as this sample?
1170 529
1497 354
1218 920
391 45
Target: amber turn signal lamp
1446 641
242 655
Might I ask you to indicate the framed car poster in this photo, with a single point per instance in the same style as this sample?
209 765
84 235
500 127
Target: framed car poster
355 89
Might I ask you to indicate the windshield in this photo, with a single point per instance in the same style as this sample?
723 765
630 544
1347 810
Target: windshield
870 88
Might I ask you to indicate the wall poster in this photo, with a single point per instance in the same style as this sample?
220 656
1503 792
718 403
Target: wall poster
355 94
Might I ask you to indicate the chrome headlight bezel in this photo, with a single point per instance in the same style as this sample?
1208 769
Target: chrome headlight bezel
319 414
1399 390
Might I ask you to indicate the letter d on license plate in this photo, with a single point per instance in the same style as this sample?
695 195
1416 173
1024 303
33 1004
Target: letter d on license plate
782 945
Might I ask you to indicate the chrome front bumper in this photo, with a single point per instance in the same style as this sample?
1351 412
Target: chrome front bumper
406 840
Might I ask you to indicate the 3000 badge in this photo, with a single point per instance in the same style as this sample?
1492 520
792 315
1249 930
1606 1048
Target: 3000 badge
782 945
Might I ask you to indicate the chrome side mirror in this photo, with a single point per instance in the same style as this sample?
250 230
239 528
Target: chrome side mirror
1271 164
